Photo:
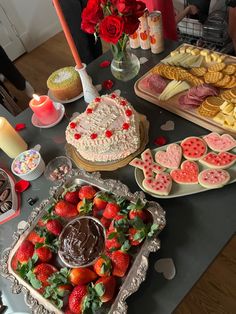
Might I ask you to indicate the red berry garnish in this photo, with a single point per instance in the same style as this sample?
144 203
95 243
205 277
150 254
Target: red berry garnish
77 136
108 133
89 110
123 103
128 112
93 136
113 95
97 99
125 126
72 125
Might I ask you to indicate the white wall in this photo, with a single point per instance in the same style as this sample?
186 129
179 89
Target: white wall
35 20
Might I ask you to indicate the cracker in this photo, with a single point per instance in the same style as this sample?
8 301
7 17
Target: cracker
198 71
206 113
229 69
226 95
233 92
217 67
213 77
224 81
215 101
232 82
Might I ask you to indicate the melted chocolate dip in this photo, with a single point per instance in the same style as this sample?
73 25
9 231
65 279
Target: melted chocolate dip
81 242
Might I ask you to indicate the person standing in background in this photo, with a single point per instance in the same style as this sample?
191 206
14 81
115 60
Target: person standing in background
88 48
168 16
11 73
231 4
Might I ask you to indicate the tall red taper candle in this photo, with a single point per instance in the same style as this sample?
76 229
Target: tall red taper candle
67 33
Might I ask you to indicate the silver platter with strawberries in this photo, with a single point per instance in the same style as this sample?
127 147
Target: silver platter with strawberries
84 248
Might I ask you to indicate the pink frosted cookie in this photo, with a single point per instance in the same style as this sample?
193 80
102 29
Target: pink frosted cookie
213 178
188 174
220 143
193 148
160 185
222 160
146 164
171 158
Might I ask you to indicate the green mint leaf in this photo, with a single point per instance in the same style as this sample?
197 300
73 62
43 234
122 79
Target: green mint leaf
153 230
36 284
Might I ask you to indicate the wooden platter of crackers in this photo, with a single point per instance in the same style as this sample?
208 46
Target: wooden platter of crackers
196 84
89 166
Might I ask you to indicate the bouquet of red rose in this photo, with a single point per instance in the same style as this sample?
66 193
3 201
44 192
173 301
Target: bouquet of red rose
112 20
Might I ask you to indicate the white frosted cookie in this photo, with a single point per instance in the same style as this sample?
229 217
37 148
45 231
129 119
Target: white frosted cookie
213 178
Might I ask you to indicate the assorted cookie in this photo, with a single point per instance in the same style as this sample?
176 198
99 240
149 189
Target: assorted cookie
185 163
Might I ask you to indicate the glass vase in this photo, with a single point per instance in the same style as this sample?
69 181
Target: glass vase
125 65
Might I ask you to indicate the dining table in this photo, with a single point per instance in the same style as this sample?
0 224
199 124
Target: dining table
198 225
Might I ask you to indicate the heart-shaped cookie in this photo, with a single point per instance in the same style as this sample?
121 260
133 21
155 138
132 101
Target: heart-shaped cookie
147 164
222 160
220 143
213 178
188 174
160 185
171 158
193 148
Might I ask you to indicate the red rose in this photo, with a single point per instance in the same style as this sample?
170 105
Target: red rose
131 24
111 28
91 15
125 6
140 8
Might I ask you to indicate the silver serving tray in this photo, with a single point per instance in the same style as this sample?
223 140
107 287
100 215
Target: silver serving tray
137 273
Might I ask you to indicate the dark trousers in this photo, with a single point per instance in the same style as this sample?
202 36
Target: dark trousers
85 43
8 69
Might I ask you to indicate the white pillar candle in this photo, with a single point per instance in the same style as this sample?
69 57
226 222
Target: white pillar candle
10 141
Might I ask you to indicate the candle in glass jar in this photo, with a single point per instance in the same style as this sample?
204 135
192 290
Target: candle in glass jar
10 141
44 109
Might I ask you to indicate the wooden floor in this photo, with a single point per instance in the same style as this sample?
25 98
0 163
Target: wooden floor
215 292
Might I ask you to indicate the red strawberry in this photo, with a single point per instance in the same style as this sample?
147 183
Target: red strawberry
105 288
87 191
44 254
43 271
97 213
103 266
14 262
34 237
112 241
54 226
68 311
99 203
111 210
137 210
41 223
25 251
124 224
138 213
136 236
72 197
65 209
120 262
106 222
64 289
85 206
81 276
77 299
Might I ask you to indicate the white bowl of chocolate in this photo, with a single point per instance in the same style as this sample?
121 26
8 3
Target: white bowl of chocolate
81 242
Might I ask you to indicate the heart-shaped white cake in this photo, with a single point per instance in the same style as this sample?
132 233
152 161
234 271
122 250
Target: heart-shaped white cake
107 131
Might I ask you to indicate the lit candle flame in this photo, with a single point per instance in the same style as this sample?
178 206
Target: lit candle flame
36 97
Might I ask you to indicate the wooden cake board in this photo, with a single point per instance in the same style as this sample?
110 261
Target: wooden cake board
90 166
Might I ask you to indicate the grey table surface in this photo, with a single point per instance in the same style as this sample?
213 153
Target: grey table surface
198 226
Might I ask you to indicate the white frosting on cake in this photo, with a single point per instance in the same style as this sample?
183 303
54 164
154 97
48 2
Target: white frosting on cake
108 130
62 76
